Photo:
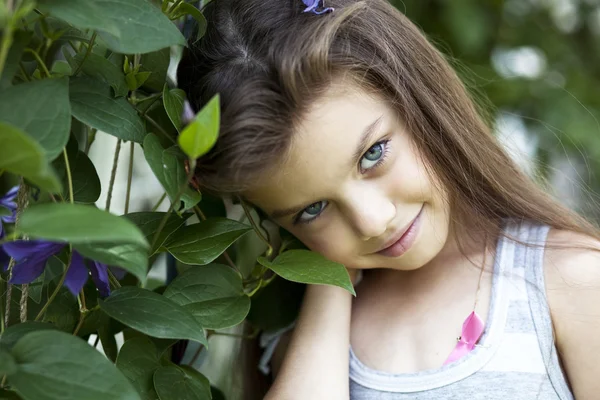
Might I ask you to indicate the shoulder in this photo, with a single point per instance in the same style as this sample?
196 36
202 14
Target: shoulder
572 276
571 261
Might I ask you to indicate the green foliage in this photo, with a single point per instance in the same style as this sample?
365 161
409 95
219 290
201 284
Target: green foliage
201 134
45 359
305 266
214 294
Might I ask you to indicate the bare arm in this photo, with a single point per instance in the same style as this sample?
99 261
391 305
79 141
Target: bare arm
315 365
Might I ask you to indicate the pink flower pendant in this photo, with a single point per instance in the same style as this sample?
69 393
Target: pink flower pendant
471 332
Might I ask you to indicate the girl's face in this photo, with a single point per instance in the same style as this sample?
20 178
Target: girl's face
352 184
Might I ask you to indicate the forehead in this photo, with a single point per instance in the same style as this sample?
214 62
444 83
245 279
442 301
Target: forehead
320 155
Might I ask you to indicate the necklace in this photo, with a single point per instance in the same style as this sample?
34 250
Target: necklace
473 326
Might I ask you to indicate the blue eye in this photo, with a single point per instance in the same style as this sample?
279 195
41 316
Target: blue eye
311 212
373 156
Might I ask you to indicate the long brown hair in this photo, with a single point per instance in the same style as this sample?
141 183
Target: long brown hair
270 61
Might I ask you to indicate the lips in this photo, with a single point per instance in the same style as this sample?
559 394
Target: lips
400 234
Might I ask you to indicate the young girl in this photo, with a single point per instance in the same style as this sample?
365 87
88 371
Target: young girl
348 129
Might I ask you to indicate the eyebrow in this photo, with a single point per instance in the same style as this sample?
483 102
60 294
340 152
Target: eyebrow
365 140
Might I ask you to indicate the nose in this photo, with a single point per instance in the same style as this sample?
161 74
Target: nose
370 212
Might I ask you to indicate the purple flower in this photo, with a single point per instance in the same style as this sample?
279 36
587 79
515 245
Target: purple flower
313 4
4 259
8 201
188 114
31 257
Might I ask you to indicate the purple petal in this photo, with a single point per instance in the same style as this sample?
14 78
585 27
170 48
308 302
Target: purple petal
77 274
4 259
32 250
11 194
9 219
27 272
99 273
8 200
188 114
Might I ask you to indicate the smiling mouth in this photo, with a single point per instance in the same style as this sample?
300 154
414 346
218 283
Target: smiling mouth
400 238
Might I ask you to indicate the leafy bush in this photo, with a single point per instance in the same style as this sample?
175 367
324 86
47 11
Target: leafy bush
70 68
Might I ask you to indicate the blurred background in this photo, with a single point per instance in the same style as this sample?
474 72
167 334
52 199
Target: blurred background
537 62
533 65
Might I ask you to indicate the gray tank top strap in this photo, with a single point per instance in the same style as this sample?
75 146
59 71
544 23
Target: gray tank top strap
540 312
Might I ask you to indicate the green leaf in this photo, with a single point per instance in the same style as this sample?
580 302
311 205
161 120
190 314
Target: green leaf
41 109
93 104
61 68
20 40
156 62
15 332
22 156
213 294
189 9
203 242
55 365
83 14
141 78
176 383
8 365
137 360
143 27
86 183
201 134
78 224
173 101
8 395
152 314
130 257
148 222
306 266
100 68
169 170
63 312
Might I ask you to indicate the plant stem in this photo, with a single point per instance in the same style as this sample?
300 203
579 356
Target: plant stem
159 128
129 176
159 202
23 72
53 295
151 105
7 40
113 279
41 63
87 53
174 6
256 228
2 290
113 174
11 263
195 356
69 177
175 202
80 323
23 303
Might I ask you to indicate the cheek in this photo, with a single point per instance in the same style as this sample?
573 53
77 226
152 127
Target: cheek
331 244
